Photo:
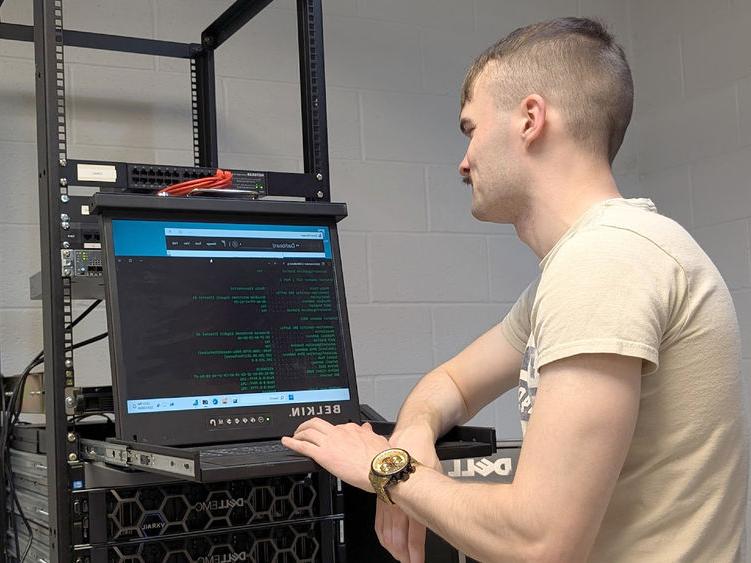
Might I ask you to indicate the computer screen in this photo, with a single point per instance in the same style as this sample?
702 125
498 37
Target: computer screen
219 316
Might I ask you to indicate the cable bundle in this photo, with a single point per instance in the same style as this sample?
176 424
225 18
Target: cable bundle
219 181
10 412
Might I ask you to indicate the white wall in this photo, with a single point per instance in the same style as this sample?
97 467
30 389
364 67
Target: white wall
423 277
693 130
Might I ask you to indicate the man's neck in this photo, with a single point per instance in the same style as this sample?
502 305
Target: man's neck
559 202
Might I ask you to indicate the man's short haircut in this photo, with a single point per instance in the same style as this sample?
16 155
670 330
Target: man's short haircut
576 65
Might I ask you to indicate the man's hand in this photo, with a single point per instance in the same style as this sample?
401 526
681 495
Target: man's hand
401 536
345 450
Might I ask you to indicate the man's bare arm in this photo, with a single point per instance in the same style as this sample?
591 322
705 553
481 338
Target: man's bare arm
449 395
577 439
455 391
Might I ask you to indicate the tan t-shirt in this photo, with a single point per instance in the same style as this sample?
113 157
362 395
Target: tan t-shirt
626 280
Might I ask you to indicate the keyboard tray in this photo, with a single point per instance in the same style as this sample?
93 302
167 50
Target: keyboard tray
188 463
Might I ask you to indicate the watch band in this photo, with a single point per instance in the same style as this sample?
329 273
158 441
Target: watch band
379 486
382 484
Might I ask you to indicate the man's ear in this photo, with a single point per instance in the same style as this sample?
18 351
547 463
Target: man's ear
532 109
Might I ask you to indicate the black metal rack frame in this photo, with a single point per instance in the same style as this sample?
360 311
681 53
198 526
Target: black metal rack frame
49 38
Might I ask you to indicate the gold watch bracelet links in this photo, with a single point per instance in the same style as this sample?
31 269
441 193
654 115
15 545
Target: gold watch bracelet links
388 468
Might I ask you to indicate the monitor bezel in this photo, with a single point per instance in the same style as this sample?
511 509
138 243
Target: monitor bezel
189 428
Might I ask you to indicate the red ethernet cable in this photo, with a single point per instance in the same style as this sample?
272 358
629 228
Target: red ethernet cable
219 181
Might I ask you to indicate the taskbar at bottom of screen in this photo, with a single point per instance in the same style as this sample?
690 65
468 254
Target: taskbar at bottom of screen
167 404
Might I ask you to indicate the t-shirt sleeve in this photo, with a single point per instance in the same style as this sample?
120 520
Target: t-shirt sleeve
516 325
607 290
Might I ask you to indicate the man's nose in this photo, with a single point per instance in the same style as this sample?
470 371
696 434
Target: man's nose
464 167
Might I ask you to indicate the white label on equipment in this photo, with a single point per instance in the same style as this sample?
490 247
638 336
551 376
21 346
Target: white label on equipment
97 173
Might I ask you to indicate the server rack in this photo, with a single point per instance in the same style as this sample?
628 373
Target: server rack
55 174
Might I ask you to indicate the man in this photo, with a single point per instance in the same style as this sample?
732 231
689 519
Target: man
630 394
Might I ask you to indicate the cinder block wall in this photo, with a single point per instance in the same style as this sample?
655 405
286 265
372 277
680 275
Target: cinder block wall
693 130
423 277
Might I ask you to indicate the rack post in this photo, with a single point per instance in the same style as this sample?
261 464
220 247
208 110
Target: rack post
313 94
203 94
56 306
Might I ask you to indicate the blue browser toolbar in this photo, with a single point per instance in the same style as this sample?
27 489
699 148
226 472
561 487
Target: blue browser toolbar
167 404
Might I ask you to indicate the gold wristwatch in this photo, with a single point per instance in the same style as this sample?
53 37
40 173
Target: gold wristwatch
389 468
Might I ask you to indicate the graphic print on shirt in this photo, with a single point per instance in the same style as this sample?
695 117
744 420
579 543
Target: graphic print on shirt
529 378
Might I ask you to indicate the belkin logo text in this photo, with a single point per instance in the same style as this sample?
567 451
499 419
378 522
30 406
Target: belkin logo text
315 411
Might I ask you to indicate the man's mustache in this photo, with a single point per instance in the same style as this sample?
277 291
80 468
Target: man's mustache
467 180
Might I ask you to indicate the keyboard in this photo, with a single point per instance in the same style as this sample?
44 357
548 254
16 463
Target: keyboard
248 454
244 449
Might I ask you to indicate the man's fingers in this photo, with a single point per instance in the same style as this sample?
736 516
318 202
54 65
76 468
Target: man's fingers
379 521
399 535
317 423
416 542
300 446
386 535
402 537
310 435
386 529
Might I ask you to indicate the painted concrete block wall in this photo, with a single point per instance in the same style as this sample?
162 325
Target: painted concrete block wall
423 277
693 130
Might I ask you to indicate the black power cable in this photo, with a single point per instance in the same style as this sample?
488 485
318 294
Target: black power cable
7 476
10 414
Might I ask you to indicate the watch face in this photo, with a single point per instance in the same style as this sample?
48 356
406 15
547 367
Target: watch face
390 462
